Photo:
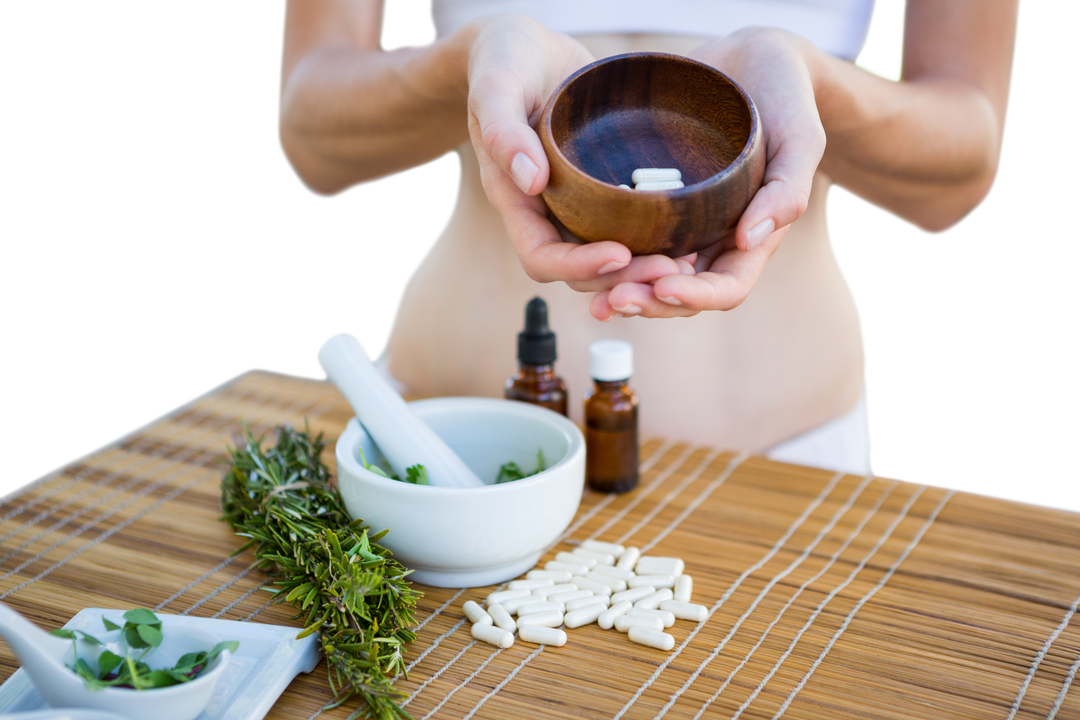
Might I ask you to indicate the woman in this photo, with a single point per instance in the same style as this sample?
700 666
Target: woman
753 343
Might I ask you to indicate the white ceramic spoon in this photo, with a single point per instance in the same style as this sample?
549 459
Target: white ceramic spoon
402 437
45 658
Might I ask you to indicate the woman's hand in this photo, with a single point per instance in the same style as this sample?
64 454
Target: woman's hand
773 67
514 66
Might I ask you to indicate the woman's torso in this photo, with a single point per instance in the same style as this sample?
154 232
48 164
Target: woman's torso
786 360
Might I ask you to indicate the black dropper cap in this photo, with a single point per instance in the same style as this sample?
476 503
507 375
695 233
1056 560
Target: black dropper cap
536 345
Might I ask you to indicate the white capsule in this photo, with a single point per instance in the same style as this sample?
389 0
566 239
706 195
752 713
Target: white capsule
629 558
657 581
542 635
555 576
515 605
660 566
572 568
554 589
585 583
684 588
493 635
613 571
503 595
602 547
574 559
662 615
652 638
626 187
614 583
583 616
625 622
529 584
602 558
652 602
552 618
586 602
685 610
654 186
501 617
633 594
548 606
655 175
607 620
565 597
476 614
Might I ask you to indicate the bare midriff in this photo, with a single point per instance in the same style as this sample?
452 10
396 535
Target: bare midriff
787 360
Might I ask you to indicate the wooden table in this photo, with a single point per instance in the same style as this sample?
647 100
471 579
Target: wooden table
832 596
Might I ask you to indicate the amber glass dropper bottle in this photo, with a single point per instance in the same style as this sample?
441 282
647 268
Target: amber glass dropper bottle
535 381
611 419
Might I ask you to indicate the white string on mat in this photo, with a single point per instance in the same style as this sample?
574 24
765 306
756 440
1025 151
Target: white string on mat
437 675
220 589
495 690
1039 657
75 479
86 470
175 475
435 643
464 682
1060 700
696 502
130 483
777 546
825 530
791 601
862 601
439 610
833 593
194 582
670 497
237 601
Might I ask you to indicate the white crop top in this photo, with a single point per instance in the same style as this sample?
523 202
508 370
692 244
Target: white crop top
837 27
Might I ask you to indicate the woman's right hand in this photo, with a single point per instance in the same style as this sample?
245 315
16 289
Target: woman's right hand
514 67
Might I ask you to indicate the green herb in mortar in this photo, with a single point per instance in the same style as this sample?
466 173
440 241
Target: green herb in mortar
346 586
510 471
141 631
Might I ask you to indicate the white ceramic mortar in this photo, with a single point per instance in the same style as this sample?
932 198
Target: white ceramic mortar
471 537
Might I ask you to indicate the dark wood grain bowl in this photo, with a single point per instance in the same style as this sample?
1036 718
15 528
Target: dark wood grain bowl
654 110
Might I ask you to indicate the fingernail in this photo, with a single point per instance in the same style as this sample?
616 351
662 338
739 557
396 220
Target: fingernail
613 316
611 267
759 232
524 171
669 300
629 309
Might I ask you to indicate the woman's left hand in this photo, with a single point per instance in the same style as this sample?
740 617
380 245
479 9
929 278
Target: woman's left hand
774 67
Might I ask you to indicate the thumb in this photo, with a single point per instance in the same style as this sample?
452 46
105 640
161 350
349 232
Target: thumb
499 110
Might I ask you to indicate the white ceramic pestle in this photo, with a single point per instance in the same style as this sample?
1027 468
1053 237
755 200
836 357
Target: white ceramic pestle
402 437
45 658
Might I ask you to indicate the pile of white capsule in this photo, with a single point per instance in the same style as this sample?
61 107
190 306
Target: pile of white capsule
597 582
655 179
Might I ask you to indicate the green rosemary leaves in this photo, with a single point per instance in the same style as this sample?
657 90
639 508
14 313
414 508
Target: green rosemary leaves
345 585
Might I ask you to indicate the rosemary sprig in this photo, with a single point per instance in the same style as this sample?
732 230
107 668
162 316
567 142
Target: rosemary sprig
346 586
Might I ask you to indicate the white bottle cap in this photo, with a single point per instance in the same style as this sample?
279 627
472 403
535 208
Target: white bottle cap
611 360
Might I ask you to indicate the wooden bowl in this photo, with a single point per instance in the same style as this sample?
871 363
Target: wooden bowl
651 110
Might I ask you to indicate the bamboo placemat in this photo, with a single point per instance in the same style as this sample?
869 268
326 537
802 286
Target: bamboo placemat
831 596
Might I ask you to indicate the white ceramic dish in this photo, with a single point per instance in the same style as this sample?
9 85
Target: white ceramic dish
268 658
472 537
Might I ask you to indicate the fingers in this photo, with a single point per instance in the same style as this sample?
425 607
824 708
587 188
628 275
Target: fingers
789 174
499 110
724 286
644 269
633 299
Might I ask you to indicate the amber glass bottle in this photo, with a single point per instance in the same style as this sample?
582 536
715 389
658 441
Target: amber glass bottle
611 419
535 381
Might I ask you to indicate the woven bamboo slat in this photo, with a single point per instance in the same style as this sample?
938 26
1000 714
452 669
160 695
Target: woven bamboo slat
831 596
